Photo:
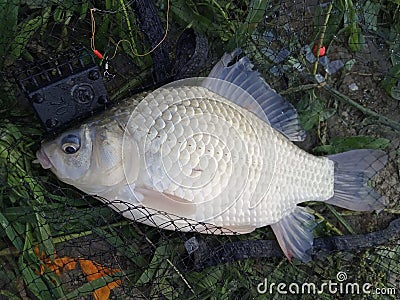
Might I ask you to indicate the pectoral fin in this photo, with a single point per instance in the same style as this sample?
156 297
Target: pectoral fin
237 229
295 234
167 203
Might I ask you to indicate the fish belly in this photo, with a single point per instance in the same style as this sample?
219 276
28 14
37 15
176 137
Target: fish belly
235 168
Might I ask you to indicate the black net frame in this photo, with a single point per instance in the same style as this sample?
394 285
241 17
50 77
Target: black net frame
337 62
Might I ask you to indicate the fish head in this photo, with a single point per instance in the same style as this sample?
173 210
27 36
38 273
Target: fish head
90 158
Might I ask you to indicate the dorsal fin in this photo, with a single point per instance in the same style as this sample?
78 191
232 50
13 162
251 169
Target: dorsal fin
238 81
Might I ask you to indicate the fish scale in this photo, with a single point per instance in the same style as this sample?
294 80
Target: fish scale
239 134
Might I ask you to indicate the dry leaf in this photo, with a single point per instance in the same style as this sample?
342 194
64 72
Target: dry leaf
93 271
57 265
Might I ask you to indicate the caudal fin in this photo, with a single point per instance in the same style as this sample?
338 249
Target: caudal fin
353 170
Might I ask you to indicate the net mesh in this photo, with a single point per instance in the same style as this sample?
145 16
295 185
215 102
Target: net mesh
337 62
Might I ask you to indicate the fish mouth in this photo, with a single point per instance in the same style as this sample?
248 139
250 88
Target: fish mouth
43 159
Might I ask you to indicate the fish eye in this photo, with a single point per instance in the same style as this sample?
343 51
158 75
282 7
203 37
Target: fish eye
71 144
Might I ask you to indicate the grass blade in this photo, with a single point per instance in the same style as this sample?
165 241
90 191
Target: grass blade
11 233
341 219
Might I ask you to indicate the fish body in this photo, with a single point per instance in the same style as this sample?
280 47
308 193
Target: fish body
216 150
202 148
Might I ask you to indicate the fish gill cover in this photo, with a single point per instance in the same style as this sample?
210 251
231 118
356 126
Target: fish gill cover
337 62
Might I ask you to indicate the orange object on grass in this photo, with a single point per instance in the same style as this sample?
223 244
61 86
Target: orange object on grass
56 265
91 269
94 271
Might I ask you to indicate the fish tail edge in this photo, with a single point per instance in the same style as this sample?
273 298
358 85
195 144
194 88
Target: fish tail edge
352 172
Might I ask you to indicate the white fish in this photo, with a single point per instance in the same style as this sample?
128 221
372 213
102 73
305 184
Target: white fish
214 150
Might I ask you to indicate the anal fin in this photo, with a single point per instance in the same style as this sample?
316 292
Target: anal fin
295 234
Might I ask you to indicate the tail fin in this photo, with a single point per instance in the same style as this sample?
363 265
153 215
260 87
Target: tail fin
353 169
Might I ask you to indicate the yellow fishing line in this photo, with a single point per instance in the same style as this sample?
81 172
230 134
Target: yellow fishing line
92 38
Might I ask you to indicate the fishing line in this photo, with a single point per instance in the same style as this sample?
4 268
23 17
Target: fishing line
100 55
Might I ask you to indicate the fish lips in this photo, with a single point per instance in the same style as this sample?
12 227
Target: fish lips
43 159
